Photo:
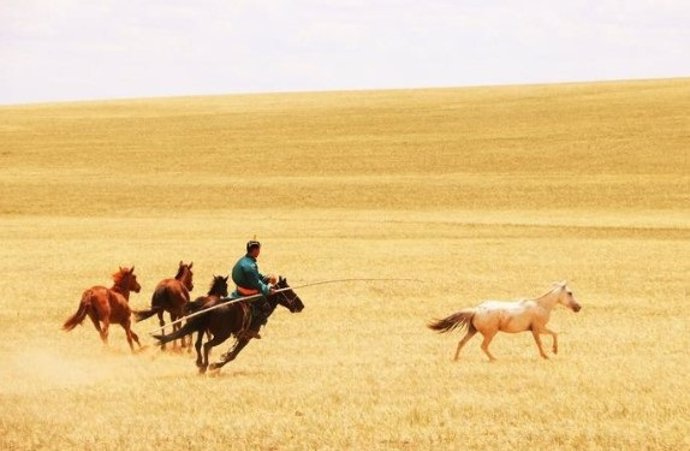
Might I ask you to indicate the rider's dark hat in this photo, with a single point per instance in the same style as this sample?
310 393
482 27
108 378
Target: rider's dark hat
252 244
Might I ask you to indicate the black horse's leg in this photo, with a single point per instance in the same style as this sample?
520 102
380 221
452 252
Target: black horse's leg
197 345
189 342
215 341
232 354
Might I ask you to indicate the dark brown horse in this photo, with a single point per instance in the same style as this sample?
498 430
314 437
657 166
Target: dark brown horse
218 289
108 305
230 319
172 296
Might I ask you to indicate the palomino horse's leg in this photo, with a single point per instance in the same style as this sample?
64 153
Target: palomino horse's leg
537 339
161 322
485 345
554 335
470 333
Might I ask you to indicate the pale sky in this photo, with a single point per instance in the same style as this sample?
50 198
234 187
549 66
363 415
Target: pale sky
56 50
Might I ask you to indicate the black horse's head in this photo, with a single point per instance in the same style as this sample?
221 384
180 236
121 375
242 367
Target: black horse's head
219 286
288 298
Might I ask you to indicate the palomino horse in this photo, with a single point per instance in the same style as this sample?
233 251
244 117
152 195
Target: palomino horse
230 319
108 305
492 316
170 295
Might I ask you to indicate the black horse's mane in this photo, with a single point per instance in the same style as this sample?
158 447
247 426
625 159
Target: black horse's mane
215 283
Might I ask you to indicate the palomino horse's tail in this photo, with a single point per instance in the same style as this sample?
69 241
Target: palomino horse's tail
76 319
455 321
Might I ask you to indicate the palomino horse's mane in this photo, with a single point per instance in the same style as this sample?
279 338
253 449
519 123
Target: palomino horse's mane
555 286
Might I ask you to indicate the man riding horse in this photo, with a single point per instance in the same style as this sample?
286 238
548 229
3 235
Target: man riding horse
250 282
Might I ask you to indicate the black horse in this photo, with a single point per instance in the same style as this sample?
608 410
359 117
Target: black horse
218 289
231 319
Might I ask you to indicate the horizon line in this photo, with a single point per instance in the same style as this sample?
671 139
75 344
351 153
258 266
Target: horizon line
334 91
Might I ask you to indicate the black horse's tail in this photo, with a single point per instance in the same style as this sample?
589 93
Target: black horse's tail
455 321
197 324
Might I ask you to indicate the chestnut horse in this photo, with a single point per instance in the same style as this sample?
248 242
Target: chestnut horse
171 295
231 319
490 317
108 305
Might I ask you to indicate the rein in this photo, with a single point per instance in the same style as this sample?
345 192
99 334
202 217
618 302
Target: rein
280 290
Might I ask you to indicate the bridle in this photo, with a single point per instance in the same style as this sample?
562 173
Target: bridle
290 301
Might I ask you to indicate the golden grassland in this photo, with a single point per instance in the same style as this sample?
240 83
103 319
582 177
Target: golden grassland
479 193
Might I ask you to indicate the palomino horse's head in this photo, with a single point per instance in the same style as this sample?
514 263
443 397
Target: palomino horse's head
185 275
288 298
219 286
565 297
126 279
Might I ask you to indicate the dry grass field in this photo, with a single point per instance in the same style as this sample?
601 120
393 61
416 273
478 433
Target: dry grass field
481 193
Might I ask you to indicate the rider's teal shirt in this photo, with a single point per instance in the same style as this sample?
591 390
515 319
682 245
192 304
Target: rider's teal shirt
246 274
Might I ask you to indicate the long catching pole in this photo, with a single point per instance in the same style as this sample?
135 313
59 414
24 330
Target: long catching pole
222 304
257 296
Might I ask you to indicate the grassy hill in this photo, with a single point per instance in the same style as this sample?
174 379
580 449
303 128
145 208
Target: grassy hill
603 146
477 192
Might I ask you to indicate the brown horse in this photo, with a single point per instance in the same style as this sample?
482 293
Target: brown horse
218 290
170 295
108 305
230 319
